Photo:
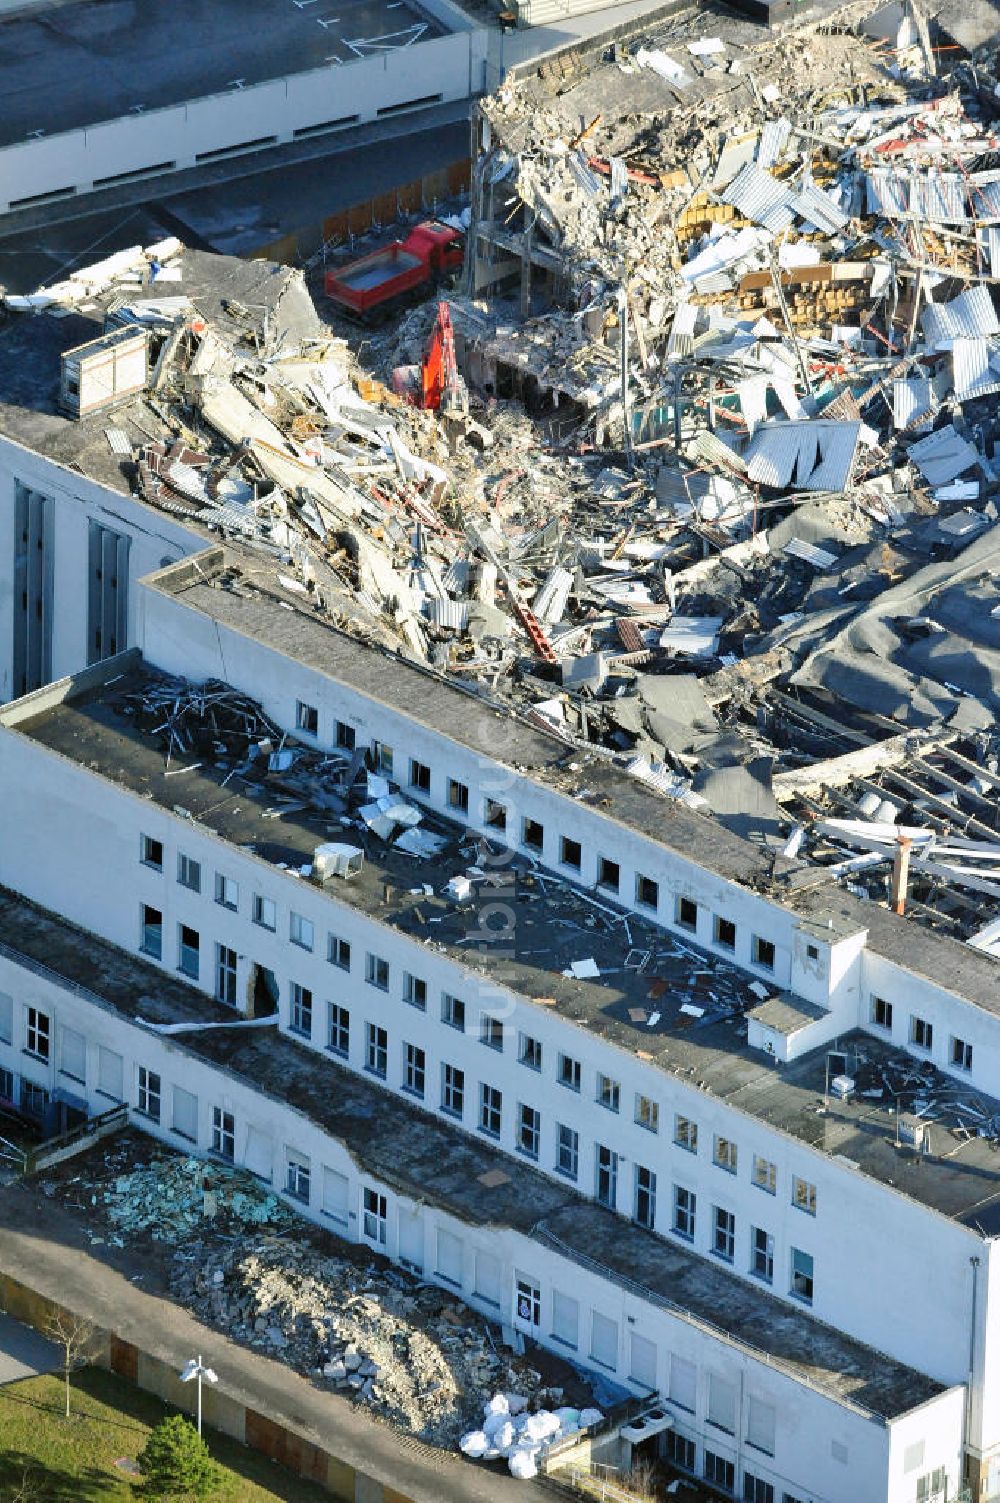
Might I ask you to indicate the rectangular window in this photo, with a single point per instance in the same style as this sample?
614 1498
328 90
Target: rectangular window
148 1094
609 874
306 718
225 975
336 1189
565 1318
567 1150
458 797
721 1404
189 873
724 1235
645 1197
297 1176
529 1131
38 1034
756 1490
686 1134
765 1174
110 1074
570 852
609 1093
532 834
265 912
725 1154
647 1113
604 1340
763 953
490 1110
881 1013
495 815
34 1099
227 892
719 1471
338 952
804 1196
414 1070
529 1051
961 1054
107 596
761 1425
762 1255
151 931
151 853
680 1451
932 1486
683 1389
420 776
377 972
223 1134
339 1039
300 1019
569 1072
375 1217
724 932
453 1011
6 1018
647 892
607 1178
32 591
377 1050
529 1303
685 1207
185 1117
802 1275
345 735
188 951
686 914
301 931
452 1090
415 991
921 1033
491 1031
72 1054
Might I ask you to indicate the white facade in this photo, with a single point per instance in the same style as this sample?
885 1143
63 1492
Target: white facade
730 1402
71 606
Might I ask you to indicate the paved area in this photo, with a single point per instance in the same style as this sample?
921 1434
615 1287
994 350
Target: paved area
44 1247
70 65
24 1353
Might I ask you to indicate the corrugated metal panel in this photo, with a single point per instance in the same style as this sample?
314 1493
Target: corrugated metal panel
453 614
712 451
773 139
989 239
735 155
815 455
697 636
972 369
820 558
760 198
681 340
819 209
939 197
971 315
942 455
888 192
911 401
984 200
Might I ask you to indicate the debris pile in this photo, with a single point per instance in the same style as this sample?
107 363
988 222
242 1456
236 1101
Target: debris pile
244 1262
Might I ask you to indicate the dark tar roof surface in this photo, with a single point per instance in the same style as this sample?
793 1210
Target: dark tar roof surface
444 1165
67 66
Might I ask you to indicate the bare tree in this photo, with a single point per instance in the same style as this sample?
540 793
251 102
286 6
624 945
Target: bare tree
76 1337
30 1489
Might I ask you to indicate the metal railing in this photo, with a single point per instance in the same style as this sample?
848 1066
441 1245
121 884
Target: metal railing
84 1132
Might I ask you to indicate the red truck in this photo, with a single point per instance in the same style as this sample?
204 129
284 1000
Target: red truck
369 287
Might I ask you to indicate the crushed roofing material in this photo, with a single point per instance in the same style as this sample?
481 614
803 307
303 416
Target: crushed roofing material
733 351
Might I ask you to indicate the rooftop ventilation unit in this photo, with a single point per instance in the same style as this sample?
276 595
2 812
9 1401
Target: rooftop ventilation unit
104 372
336 860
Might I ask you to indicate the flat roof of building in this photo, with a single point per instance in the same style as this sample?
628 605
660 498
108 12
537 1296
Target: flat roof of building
464 1175
259 608
657 995
71 65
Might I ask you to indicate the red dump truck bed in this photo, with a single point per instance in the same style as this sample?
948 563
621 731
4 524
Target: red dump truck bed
386 275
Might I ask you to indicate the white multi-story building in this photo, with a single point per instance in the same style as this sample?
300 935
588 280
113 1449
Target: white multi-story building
581 1060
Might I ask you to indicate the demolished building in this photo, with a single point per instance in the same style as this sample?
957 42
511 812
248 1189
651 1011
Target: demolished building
607 805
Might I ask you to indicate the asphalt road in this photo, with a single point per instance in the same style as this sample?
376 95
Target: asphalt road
24 1353
70 65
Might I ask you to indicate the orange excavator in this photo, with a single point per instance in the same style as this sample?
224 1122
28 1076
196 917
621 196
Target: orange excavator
435 385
